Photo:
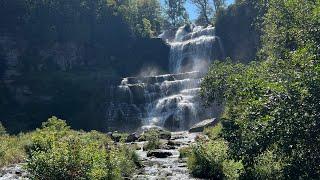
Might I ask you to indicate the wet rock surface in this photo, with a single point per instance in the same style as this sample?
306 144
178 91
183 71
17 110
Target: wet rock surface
14 172
132 138
165 163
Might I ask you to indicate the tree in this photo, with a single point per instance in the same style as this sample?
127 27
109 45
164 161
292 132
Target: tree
218 4
140 14
175 13
205 10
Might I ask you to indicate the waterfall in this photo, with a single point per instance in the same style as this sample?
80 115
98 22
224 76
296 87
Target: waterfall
172 100
192 48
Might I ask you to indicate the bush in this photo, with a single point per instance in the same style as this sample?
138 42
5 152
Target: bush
214 132
269 166
153 140
184 152
210 160
57 152
12 149
162 134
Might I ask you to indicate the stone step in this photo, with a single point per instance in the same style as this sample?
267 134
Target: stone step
162 78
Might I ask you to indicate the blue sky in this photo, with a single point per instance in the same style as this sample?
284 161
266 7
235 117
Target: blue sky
193 11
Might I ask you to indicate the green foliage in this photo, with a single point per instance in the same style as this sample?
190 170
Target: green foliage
289 26
269 166
205 11
56 152
175 14
185 152
153 140
232 170
12 148
143 16
215 85
210 160
208 10
214 132
272 107
146 30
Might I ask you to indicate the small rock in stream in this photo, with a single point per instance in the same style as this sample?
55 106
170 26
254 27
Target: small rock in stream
159 154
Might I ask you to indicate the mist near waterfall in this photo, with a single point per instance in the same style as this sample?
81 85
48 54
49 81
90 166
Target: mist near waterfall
195 64
150 70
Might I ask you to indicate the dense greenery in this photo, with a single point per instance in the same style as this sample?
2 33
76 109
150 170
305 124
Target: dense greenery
143 16
271 120
57 152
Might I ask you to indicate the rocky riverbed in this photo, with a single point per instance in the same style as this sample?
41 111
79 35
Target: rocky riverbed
165 163
13 172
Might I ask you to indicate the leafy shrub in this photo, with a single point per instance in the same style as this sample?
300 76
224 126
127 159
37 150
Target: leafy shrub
12 148
210 160
184 152
153 140
57 152
162 134
232 169
269 166
214 132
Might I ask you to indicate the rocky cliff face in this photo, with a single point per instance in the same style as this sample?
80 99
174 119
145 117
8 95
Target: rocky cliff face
66 79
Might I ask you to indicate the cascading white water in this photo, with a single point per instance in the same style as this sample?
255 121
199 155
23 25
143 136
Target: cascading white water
191 50
171 101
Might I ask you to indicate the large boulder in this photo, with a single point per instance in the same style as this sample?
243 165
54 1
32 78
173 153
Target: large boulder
203 124
132 138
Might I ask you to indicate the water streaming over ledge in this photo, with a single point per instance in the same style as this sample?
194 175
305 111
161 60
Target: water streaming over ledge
172 100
